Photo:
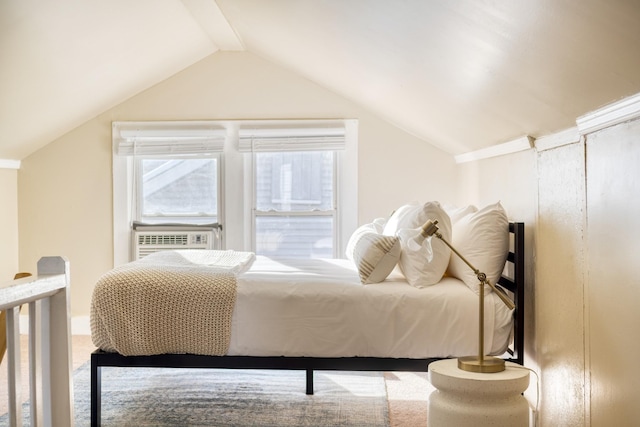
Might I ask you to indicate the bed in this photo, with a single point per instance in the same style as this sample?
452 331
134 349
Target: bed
317 315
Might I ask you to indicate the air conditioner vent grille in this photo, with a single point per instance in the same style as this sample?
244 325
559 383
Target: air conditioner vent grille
148 242
163 239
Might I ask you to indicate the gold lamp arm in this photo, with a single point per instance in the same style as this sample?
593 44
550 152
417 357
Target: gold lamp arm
431 229
471 363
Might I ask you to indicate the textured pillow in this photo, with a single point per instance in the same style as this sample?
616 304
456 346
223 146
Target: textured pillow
375 256
424 266
482 237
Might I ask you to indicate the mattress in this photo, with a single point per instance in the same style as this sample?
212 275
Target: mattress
319 308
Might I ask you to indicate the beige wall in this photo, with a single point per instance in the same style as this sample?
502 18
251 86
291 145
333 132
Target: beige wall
9 221
64 193
65 202
580 203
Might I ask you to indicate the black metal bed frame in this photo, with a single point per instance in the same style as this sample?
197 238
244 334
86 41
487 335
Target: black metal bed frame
513 284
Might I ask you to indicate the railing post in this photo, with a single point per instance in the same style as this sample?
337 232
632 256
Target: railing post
57 383
35 363
13 360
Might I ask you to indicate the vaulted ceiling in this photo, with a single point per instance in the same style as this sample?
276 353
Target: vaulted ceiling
462 75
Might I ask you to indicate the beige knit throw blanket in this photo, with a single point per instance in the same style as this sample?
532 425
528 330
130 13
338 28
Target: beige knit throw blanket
168 302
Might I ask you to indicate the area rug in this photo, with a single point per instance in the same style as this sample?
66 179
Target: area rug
145 397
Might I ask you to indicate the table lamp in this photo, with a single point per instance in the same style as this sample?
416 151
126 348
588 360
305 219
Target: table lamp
480 363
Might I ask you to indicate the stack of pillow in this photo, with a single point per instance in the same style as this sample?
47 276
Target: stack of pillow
481 236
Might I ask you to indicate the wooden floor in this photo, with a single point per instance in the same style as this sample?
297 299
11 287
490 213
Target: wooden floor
406 391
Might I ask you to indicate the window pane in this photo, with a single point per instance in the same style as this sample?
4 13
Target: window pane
179 189
294 181
295 236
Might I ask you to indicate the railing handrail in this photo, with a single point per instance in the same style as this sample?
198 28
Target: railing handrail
50 376
28 289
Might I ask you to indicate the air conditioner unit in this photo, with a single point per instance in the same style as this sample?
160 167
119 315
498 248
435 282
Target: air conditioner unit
148 242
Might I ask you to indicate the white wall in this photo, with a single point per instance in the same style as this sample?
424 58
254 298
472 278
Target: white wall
612 274
64 191
559 285
9 221
580 203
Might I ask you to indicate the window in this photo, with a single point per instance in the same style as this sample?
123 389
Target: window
177 190
278 187
295 213
174 170
296 209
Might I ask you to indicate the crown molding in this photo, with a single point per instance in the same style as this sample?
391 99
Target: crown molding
9 164
617 112
612 114
558 139
519 144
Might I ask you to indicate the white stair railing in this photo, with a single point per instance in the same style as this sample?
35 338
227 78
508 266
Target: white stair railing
50 369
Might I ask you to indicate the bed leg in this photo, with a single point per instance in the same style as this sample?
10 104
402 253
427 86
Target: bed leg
95 392
310 381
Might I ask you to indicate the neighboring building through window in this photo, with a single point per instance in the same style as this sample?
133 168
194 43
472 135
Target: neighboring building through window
295 214
177 190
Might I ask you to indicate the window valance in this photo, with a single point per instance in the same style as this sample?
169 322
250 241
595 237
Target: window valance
291 139
167 138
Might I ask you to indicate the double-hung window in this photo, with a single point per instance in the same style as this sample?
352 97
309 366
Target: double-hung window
176 170
172 175
295 205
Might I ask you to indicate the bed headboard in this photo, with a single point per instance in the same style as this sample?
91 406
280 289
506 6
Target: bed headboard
513 281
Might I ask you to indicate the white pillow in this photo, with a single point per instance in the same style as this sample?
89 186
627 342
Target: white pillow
426 265
379 224
482 237
456 213
373 254
411 215
403 217
355 237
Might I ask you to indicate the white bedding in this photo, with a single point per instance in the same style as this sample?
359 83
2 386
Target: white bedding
319 308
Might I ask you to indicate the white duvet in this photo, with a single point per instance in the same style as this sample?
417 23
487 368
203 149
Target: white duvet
319 308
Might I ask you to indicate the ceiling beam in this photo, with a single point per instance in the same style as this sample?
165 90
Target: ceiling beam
213 22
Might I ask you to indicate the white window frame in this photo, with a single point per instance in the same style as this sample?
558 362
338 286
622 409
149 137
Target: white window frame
236 174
